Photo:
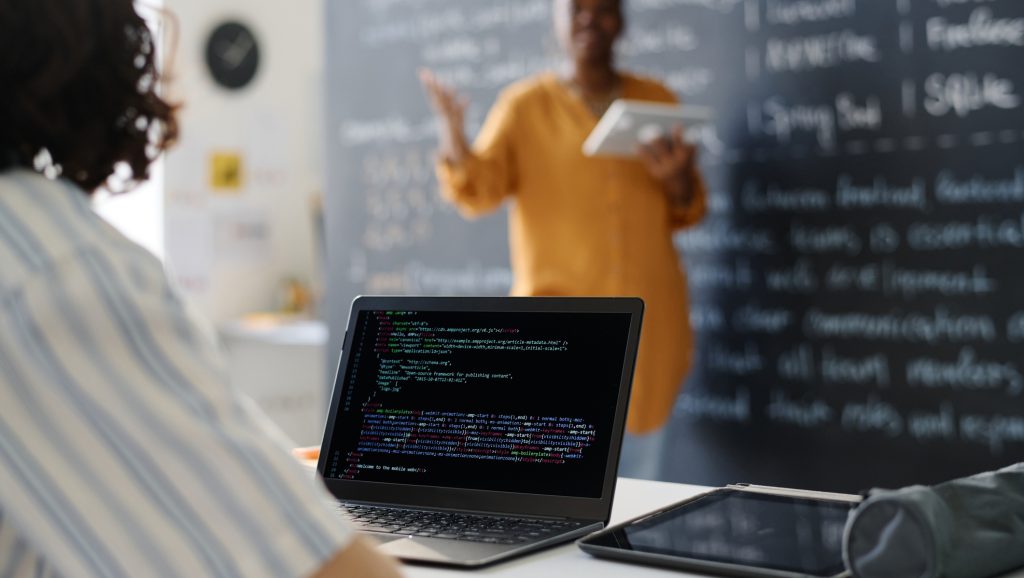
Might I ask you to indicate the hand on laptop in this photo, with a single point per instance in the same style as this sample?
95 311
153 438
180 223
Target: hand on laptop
360 559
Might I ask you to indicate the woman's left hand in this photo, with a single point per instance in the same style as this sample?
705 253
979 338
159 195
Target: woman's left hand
670 160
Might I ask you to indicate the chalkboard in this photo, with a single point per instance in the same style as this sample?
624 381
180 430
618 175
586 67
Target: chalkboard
857 287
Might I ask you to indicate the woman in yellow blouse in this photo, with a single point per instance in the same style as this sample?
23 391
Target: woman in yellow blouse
579 225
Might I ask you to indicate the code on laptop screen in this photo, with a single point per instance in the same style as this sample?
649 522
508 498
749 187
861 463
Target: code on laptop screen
519 402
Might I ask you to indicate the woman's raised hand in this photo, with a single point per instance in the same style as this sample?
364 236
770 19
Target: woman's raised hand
450 109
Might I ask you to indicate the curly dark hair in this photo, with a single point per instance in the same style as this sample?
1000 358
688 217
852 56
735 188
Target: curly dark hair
78 86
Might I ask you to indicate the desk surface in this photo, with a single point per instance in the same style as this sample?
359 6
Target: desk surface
632 498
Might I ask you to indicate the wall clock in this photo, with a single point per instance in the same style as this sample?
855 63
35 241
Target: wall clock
232 55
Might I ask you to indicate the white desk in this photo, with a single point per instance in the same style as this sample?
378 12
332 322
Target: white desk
632 498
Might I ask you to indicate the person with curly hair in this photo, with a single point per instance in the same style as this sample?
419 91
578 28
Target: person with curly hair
123 452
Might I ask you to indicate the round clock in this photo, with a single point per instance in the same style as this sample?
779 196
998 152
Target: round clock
232 55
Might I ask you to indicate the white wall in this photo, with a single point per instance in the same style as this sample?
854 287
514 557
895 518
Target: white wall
139 214
275 124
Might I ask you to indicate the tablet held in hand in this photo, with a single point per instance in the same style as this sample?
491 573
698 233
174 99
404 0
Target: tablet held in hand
629 123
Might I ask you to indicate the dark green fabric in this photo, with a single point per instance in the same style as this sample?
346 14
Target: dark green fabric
966 528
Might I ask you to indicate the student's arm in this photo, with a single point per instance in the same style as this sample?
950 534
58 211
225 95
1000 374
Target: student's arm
361 560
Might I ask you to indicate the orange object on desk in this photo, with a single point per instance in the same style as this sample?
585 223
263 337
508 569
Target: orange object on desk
307 454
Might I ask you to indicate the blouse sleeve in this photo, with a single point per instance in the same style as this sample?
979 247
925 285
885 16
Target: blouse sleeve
481 182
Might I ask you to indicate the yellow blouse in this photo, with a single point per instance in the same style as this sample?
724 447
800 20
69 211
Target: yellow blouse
585 226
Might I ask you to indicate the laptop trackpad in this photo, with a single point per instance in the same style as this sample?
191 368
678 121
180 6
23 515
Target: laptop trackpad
383 538
451 551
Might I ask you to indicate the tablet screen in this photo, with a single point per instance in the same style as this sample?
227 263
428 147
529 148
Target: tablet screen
789 534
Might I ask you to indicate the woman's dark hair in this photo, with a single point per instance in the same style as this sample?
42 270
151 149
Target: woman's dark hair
78 85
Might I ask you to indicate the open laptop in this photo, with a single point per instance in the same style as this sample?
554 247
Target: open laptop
464 431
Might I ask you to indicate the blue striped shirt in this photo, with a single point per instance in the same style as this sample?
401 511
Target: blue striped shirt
123 452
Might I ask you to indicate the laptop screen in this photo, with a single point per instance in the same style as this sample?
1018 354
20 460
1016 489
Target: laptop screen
514 401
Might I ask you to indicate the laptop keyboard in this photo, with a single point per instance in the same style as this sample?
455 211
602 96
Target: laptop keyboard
467 527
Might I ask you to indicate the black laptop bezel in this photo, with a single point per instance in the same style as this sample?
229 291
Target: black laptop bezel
485 500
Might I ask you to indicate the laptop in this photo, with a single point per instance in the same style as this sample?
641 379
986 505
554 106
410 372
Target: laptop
464 431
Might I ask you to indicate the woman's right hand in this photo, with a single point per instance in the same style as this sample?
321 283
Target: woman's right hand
450 109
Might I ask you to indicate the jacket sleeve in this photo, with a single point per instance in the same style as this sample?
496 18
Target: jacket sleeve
480 183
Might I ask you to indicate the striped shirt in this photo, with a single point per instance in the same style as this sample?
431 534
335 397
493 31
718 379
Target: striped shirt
122 450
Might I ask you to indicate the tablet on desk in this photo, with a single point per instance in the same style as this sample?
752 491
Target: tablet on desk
628 123
738 530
